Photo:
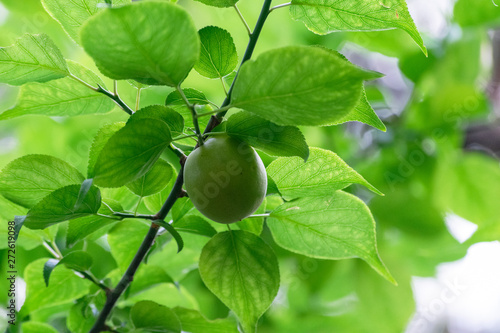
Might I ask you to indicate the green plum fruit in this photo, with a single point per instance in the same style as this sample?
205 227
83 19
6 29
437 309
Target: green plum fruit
225 179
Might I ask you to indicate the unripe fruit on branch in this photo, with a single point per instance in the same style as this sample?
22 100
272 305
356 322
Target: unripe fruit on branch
225 179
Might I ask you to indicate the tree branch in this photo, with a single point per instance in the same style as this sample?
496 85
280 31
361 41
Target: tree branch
125 280
139 256
177 190
114 96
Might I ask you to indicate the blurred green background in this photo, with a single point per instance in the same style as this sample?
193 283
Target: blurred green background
437 164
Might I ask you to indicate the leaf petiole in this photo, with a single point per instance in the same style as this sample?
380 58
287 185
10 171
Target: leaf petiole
243 20
280 6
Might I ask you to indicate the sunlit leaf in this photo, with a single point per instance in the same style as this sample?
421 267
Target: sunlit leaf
264 135
194 322
33 58
159 43
131 152
323 173
219 3
299 85
30 178
337 226
63 97
173 119
242 271
326 16
59 206
154 317
72 14
64 287
218 56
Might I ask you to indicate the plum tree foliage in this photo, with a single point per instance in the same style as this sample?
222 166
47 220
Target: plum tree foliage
165 172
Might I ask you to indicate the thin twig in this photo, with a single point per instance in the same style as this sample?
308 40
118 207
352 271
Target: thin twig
114 96
223 84
280 6
180 154
95 281
243 20
51 250
77 79
134 216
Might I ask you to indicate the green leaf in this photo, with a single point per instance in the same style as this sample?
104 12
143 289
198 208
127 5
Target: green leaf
100 140
48 268
195 225
272 188
84 190
218 56
173 232
156 201
253 224
264 135
364 113
59 206
154 317
323 173
80 318
72 14
299 85
173 119
194 97
32 58
194 322
242 271
37 327
175 101
80 228
158 42
181 207
148 276
65 287
154 180
337 226
77 260
28 179
326 16
219 3
63 97
18 224
124 239
131 152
